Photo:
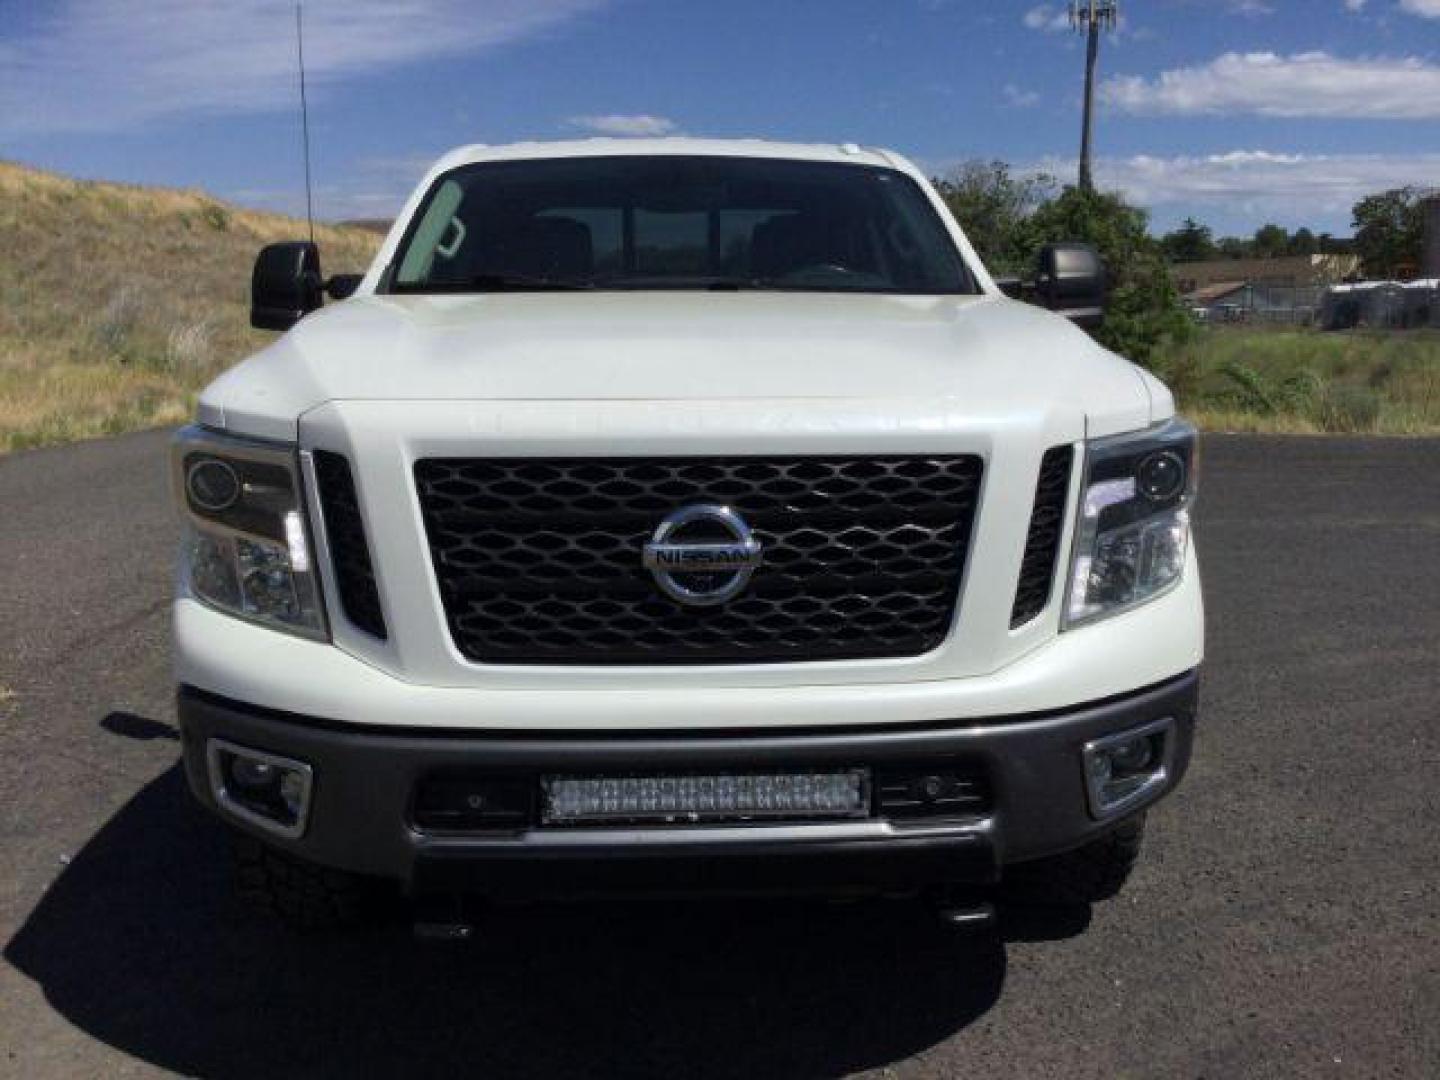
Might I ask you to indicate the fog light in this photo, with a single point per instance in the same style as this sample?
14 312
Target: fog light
251 773
1125 770
264 789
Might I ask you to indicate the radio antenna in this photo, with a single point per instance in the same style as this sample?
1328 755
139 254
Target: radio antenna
304 121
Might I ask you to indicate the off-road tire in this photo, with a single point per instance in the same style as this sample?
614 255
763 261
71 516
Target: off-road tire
1086 875
302 895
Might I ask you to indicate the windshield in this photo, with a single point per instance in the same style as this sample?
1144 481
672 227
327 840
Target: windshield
677 223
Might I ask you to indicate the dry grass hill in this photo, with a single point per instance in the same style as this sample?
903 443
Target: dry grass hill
118 303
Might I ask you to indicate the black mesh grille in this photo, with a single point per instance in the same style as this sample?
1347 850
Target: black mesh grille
345 529
1042 544
539 560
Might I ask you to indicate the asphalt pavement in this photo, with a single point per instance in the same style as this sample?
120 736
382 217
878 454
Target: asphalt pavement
1285 920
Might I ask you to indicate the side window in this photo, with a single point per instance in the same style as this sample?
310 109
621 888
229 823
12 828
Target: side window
440 234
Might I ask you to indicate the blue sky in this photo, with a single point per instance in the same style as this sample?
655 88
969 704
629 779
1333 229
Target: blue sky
1235 111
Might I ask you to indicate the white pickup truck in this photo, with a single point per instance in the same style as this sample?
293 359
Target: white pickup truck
692 515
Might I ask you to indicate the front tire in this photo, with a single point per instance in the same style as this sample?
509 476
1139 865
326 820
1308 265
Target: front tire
1086 875
302 895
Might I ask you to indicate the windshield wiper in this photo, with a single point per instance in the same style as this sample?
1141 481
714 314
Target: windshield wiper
738 284
524 283
679 283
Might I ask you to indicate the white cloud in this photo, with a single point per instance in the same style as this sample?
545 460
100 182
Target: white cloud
108 65
1426 9
1251 8
1020 99
1311 84
1255 184
1354 5
1051 18
637 125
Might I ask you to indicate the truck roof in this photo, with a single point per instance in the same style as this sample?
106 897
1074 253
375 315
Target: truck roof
840 153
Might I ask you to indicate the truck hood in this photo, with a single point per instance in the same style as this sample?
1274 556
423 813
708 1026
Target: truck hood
985 353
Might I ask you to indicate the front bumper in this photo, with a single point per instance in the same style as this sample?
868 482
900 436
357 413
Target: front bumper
360 817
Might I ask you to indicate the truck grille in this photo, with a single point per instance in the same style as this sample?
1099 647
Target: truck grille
345 531
538 560
1042 543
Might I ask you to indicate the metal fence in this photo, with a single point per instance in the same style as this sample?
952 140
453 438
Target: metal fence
1285 304
1377 305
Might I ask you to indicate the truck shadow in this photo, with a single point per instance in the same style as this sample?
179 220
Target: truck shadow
139 944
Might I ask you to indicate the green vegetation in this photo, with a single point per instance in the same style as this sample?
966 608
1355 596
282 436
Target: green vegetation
1008 218
119 303
994 205
1304 381
1390 231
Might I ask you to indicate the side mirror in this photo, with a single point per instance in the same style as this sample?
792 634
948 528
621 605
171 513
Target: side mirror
1012 286
343 286
286 285
1070 280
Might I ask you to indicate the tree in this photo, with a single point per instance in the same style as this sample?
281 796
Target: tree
1303 242
1235 247
1192 242
1389 231
992 204
1143 312
1270 242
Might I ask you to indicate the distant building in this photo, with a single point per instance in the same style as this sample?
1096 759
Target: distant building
1225 301
1246 301
1287 271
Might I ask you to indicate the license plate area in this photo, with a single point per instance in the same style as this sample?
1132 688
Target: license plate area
651 799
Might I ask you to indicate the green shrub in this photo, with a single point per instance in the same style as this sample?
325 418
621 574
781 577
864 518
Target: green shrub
1289 379
1348 407
1143 315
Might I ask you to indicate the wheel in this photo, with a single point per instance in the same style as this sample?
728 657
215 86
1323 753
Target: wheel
303 895
1086 875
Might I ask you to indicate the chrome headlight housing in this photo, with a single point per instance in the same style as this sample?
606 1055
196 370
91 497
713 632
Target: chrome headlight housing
246 547
1134 525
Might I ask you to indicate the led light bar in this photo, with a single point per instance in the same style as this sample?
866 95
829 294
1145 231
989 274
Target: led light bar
579 800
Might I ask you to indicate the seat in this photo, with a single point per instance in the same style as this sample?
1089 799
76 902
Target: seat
785 244
557 248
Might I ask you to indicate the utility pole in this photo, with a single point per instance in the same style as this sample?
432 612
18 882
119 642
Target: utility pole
1090 17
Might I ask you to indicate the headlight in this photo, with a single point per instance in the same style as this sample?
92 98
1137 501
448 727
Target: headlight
246 548
1134 526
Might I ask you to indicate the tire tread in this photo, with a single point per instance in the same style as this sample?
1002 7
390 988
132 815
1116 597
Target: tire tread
1087 875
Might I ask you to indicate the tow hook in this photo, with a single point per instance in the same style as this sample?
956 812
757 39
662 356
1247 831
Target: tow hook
442 918
964 913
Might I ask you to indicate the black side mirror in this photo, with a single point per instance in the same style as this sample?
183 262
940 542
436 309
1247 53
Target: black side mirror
1070 280
343 286
286 285
1012 286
